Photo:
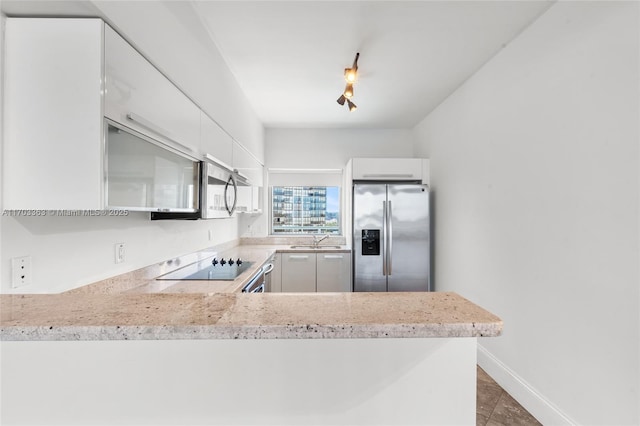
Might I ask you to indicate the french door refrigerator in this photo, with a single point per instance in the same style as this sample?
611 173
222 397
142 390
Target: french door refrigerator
391 237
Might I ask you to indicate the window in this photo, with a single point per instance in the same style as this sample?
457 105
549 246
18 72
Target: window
305 209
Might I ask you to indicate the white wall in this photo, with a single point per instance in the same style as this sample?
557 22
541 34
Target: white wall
69 252
297 148
332 148
535 163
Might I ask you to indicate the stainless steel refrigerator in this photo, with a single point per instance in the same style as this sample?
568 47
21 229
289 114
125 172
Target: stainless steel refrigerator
391 241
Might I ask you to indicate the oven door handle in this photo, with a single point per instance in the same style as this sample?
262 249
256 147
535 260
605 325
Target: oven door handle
268 268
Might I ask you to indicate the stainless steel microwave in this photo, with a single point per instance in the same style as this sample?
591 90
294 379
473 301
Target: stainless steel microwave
219 194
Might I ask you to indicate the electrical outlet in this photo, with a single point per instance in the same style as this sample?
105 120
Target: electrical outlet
20 271
119 252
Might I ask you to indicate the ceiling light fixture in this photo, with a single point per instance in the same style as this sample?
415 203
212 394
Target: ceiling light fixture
348 91
350 76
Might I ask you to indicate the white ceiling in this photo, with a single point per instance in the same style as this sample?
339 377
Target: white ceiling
289 56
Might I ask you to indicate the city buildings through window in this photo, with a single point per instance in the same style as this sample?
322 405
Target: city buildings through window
305 210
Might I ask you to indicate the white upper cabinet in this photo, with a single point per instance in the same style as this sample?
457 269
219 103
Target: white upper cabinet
146 176
53 125
139 96
56 154
388 169
246 164
65 81
215 141
249 197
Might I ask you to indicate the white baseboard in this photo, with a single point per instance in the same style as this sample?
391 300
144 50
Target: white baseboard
541 408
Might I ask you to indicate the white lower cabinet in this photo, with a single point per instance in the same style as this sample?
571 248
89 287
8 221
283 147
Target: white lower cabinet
315 272
333 272
299 272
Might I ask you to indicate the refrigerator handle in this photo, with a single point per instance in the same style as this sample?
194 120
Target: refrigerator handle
390 249
384 238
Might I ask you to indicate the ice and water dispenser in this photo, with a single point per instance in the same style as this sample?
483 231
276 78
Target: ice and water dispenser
370 242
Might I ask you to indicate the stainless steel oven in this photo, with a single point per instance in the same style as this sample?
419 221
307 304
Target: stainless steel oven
261 281
256 284
268 268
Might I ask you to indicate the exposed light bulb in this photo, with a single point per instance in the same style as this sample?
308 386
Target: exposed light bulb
350 74
348 91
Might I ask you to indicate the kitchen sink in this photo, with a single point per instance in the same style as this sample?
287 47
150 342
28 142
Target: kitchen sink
316 247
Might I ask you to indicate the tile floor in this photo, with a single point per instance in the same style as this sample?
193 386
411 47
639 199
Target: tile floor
495 407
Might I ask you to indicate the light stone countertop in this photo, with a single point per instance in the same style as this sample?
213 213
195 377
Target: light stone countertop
70 316
136 306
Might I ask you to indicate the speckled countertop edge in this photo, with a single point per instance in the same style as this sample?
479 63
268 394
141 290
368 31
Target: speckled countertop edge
242 316
310 331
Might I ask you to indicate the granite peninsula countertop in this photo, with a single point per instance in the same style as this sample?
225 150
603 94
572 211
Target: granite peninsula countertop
137 306
76 316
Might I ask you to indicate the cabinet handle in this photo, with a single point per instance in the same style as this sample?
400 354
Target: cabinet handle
155 128
384 238
388 175
390 240
148 124
333 256
298 256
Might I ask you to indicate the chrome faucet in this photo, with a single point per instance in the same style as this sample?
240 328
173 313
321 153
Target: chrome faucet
317 239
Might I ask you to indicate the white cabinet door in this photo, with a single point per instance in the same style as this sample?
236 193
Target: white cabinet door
242 160
147 177
256 173
249 197
139 96
299 272
215 141
53 126
333 272
387 168
255 176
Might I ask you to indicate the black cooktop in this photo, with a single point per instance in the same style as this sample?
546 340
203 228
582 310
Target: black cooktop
209 269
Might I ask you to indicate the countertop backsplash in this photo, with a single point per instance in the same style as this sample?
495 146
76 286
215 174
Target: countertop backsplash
337 240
